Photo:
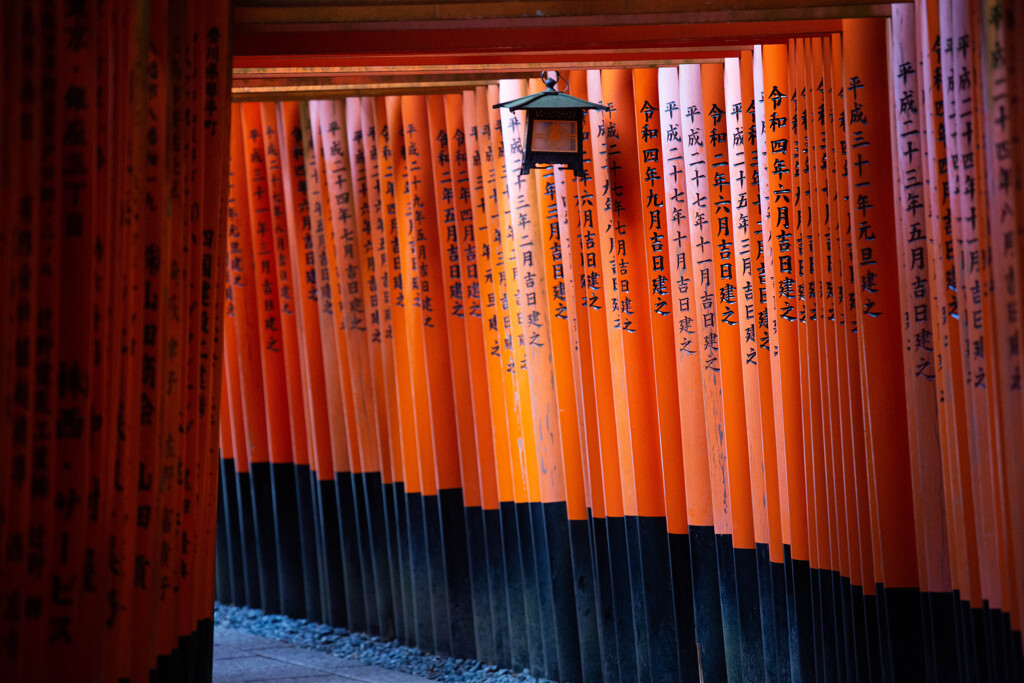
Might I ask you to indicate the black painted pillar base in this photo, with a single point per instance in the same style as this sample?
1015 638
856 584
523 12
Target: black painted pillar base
457 577
305 502
377 519
476 551
191 660
288 534
682 595
768 613
748 605
536 625
422 609
518 627
433 544
662 646
586 600
230 554
799 609
560 567
604 598
903 613
707 605
495 562
334 605
262 486
626 615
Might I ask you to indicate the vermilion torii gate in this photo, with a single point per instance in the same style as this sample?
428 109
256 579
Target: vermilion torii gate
741 402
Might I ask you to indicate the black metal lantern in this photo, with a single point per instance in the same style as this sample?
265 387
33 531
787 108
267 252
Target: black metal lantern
554 127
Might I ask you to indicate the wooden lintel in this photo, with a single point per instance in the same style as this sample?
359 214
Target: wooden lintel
502 64
342 45
412 45
497 62
341 76
251 87
539 13
328 80
330 92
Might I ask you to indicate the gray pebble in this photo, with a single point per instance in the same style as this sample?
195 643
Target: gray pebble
366 648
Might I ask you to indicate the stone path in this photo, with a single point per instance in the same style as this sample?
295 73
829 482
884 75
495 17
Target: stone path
241 656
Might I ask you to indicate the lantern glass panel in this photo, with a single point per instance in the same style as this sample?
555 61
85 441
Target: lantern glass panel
554 136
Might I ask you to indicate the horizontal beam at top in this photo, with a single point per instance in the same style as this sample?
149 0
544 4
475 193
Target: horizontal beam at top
239 81
258 46
496 63
492 70
282 84
499 64
337 92
515 13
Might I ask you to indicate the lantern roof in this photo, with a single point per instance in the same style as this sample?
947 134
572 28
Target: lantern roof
549 99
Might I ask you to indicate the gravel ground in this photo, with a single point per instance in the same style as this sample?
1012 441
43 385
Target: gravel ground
389 654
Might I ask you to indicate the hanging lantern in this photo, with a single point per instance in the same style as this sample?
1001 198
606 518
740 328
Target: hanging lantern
554 127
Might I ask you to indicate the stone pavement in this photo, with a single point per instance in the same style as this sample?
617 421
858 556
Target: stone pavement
242 656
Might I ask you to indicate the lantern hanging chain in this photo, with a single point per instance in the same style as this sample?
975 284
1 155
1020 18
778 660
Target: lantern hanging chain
551 83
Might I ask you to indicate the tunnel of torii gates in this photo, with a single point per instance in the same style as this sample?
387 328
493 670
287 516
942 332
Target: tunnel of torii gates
740 402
